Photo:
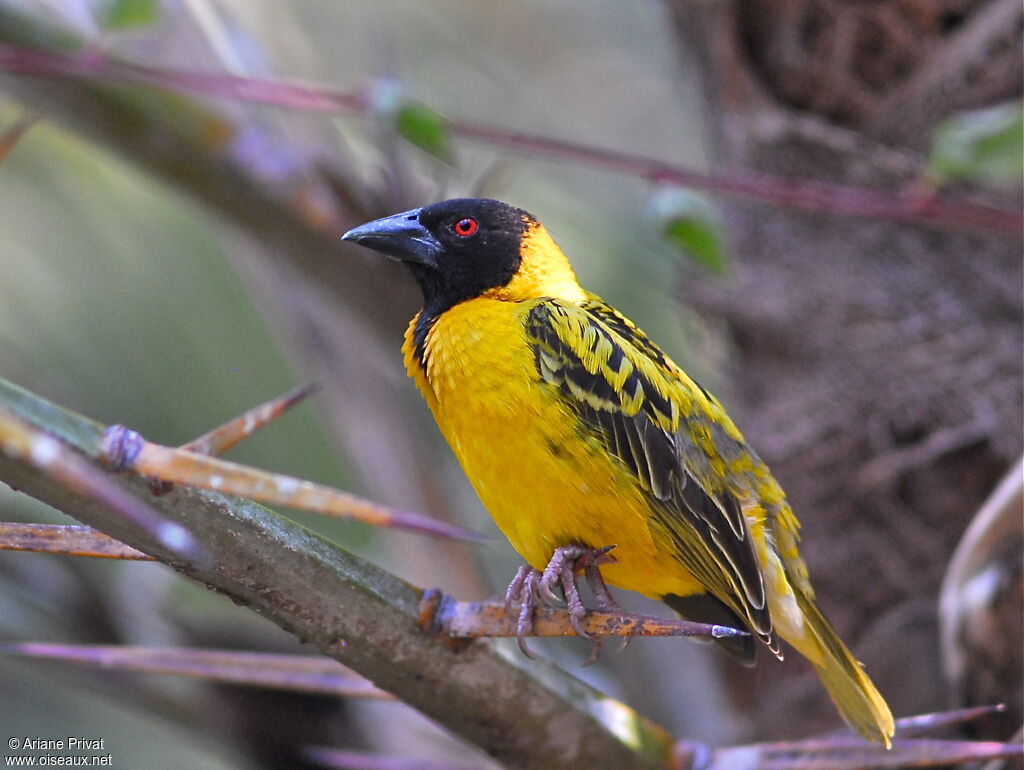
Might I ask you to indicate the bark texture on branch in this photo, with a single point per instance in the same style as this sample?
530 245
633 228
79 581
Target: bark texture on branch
352 611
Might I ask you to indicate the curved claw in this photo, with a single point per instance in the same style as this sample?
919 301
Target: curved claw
523 627
576 621
549 596
605 600
595 653
595 557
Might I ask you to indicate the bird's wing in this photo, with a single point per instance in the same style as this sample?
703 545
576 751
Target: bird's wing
667 431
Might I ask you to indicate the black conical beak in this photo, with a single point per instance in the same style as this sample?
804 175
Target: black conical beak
400 236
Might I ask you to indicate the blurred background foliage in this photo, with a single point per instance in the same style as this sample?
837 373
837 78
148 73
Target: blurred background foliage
133 300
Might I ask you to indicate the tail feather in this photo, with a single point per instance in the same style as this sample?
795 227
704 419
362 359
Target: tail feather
854 694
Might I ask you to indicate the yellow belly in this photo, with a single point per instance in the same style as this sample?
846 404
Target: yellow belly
544 484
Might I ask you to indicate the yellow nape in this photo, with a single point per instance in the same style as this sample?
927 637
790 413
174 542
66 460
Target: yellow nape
543 272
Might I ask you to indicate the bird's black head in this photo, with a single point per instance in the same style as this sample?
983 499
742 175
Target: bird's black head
456 249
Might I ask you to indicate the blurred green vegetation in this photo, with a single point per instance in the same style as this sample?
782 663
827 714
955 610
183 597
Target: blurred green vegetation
984 145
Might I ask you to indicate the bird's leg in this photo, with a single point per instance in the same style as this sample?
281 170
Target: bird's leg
523 591
591 563
524 624
605 602
561 571
562 565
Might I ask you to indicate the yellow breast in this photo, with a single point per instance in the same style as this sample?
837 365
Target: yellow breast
543 481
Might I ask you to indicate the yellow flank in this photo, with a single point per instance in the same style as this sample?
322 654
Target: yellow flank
574 428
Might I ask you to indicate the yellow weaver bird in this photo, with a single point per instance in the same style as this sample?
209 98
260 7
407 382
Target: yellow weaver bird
579 433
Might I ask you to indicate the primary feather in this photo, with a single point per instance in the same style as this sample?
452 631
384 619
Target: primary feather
576 429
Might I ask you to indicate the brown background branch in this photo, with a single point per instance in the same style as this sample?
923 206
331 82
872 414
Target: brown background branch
877 369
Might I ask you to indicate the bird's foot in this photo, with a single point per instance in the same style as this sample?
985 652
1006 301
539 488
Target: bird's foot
523 591
530 588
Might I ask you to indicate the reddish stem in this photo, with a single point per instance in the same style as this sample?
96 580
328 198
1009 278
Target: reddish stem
910 207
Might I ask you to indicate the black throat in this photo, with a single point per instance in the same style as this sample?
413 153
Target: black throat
424 323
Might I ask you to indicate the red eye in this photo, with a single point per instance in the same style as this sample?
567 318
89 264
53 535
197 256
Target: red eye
465 227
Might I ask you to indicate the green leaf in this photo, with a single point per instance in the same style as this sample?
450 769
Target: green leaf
126 14
413 120
692 224
981 146
425 128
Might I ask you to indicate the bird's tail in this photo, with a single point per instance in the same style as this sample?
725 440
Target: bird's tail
854 694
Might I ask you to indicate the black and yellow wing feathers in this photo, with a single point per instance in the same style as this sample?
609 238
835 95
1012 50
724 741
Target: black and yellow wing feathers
670 434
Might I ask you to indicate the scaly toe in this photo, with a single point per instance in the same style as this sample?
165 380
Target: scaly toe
514 593
524 625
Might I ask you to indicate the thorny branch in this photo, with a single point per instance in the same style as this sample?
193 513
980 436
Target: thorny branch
350 610
374 623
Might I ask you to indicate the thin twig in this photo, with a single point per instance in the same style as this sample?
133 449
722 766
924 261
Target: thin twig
124 449
66 540
10 138
924 724
292 673
347 759
20 440
223 437
855 754
912 206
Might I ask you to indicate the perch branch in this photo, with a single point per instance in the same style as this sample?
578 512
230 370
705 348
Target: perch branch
355 613
471 620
